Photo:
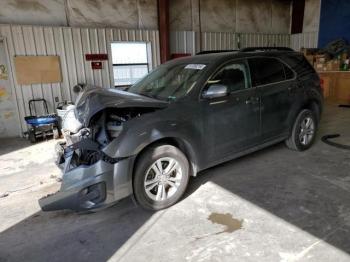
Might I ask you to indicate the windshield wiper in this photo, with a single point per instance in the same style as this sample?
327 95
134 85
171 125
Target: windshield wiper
147 95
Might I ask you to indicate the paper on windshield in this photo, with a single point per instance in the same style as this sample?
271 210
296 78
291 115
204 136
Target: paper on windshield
195 66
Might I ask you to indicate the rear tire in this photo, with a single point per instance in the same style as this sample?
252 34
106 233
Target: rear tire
303 132
161 177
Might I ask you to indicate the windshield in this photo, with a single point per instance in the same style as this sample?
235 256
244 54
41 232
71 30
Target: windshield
169 82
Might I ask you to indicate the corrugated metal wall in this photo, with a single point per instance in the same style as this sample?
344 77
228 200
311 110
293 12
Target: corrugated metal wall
218 41
251 40
183 42
307 40
188 41
71 44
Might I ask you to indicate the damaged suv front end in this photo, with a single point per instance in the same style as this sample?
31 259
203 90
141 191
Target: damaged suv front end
96 173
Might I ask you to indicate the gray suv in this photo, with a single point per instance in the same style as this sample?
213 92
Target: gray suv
185 116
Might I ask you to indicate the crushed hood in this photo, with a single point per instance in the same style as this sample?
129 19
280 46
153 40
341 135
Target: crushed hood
94 100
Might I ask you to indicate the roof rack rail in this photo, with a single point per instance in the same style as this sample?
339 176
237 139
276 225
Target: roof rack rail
262 49
215 51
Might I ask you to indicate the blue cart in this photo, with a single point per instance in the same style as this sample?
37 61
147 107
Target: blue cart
41 126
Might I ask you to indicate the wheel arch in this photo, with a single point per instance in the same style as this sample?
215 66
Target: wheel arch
315 106
179 143
312 104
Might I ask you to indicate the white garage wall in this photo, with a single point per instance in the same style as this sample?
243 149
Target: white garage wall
183 42
71 44
306 40
218 41
269 40
188 41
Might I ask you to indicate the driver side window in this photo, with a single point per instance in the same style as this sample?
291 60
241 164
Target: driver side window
232 75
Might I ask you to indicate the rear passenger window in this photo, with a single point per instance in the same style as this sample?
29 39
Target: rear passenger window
266 71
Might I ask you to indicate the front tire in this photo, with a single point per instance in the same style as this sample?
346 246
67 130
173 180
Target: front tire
161 177
303 132
31 136
56 133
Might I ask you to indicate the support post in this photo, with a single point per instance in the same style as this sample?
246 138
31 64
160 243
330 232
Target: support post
163 25
298 7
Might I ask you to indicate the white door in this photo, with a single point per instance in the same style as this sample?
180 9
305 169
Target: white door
8 112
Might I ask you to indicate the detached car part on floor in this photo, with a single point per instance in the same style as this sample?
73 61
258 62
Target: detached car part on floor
187 115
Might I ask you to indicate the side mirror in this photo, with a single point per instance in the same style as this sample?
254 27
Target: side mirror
215 91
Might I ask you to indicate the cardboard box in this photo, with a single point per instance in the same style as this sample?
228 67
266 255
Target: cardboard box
320 66
309 51
333 65
304 51
343 56
320 59
310 58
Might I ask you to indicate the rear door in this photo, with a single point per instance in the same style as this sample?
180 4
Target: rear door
275 83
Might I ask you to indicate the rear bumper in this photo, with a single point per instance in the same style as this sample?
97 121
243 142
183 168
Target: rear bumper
91 187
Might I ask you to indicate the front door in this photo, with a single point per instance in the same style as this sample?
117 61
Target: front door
232 122
8 113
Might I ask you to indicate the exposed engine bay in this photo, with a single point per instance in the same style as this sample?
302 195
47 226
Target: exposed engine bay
100 116
105 126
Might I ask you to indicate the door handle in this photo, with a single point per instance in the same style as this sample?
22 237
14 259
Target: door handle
252 100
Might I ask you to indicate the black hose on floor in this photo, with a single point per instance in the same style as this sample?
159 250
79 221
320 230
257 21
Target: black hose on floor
326 140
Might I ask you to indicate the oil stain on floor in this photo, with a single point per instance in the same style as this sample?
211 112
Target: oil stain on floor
232 224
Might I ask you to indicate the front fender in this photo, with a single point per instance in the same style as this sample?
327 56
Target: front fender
136 138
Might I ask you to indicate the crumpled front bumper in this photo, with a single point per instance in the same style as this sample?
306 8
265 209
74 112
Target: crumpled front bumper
90 187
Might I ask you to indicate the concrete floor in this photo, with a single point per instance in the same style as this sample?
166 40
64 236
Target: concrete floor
273 205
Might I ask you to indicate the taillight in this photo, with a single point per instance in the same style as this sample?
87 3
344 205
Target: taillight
322 84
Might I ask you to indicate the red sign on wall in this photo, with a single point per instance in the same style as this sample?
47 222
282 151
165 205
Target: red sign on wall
94 57
96 65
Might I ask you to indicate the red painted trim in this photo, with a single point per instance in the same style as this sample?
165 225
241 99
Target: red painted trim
163 24
297 16
92 57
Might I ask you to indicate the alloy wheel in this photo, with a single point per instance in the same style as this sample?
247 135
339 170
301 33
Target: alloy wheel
163 179
307 131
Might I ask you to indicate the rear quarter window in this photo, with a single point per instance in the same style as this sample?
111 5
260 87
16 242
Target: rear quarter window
299 64
267 71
